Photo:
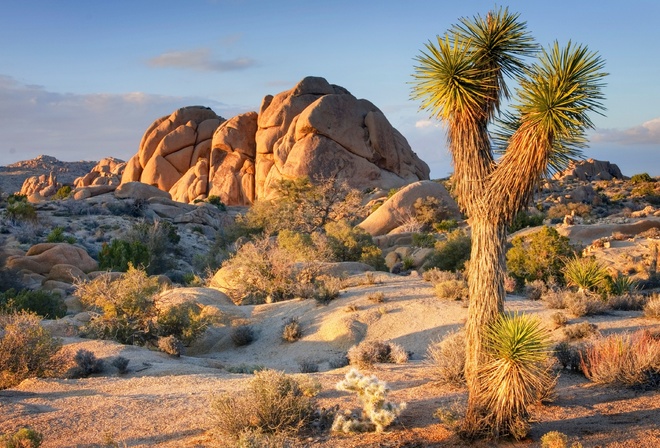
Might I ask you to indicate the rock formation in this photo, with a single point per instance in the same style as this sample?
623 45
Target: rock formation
37 188
590 170
107 172
315 130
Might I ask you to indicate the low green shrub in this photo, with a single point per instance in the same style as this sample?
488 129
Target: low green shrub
86 364
423 240
63 192
525 219
242 335
349 243
539 256
120 254
26 348
44 303
19 210
450 255
641 178
22 438
184 321
377 412
445 226
57 236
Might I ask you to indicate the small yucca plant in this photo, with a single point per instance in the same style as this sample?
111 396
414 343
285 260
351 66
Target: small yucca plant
585 273
517 375
619 285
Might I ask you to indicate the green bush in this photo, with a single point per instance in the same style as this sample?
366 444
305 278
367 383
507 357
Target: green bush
524 219
349 243
63 193
20 211
559 211
185 321
161 240
423 240
429 210
641 178
450 255
274 402
23 438
540 256
445 226
586 274
26 348
120 254
44 303
57 236
215 200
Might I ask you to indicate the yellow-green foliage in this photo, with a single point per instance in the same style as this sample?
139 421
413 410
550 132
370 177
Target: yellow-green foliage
586 274
450 255
349 243
377 412
23 438
539 256
26 348
516 376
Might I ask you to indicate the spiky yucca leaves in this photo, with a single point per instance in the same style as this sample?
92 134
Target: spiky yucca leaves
516 376
586 274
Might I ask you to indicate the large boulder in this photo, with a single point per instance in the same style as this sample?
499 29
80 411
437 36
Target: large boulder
139 190
41 258
396 209
37 188
315 130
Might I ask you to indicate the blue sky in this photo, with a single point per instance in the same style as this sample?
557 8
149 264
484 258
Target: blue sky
82 80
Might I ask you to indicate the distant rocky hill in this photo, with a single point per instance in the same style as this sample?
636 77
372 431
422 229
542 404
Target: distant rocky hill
13 176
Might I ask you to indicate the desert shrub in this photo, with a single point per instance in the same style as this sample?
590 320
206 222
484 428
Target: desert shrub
376 297
26 348
366 353
516 376
445 226
451 290
524 219
57 236
325 289
306 366
580 330
170 345
291 330
250 438
86 364
242 335
120 363
569 356
303 206
641 178
558 319
274 402
299 245
586 274
22 438
450 255
184 321
217 201
652 307
580 304
44 303
627 302
10 279
534 290
128 207
627 359
408 263
539 256
160 239
423 240
619 285
349 243
124 309
120 254
377 412
63 192
554 439
559 211
19 210
435 276
260 271
429 210
448 358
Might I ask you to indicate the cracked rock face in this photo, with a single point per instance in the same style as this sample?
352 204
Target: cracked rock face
316 129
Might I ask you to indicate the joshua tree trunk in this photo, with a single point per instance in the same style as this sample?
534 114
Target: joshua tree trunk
486 292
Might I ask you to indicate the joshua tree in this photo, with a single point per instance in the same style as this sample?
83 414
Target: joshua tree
461 81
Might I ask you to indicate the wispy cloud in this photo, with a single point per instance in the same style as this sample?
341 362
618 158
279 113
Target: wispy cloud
81 127
644 134
200 59
426 124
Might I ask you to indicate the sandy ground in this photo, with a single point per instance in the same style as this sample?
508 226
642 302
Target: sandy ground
165 401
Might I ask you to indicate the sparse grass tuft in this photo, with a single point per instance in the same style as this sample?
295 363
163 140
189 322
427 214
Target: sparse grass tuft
242 335
580 330
367 353
291 331
448 358
652 307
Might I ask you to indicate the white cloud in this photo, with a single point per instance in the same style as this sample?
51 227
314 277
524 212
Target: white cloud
200 59
81 127
424 124
644 134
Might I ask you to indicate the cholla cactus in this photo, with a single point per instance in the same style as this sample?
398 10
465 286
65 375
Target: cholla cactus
377 413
